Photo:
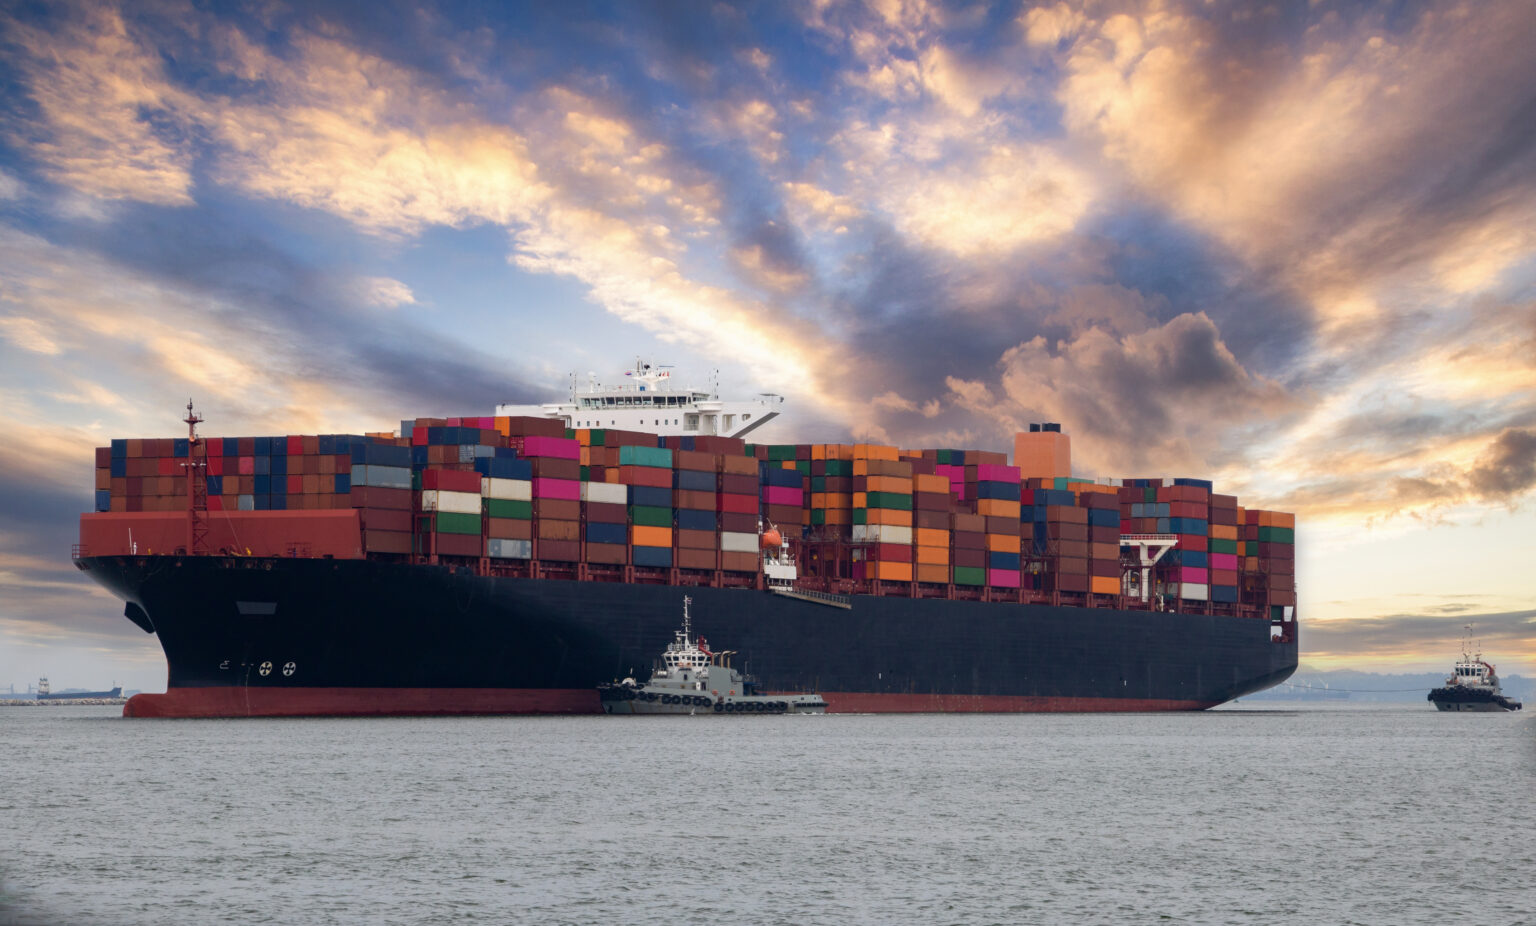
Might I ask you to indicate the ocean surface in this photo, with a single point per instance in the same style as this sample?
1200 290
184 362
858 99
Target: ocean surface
1254 813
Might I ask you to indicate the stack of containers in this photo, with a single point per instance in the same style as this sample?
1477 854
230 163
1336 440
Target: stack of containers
783 494
1189 502
969 535
1103 506
555 466
951 465
151 475
647 471
695 483
831 498
882 512
380 481
452 500
931 528
506 491
737 508
1274 546
997 492
1221 548
605 509
1061 527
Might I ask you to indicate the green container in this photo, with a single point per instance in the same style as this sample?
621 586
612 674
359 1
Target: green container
596 436
570 433
818 516
889 500
450 522
804 466
1277 535
415 480
970 575
508 508
1223 546
860 516
818 483
1149 494
781 452
656 457
1277 612
1250 548
943 456
650 516
839 467
586 474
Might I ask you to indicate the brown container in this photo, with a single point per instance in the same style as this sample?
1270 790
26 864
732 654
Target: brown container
697 540
509 528
606 513
378 541
103 478
696 500
929 501
1072 565
1110 535
1109 551
972 558
968 540
1072 581
553 468
385 519
607 554
548 529
738 522
558 509
970 523
1282 597
743 466
564 551
931 573
931 520
1077 533
739 562
696 462
695 559
104 457
1104 568
735 484
457 545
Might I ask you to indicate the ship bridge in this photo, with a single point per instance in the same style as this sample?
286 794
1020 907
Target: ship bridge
647 401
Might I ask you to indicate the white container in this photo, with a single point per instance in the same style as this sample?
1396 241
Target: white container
738 542
382 477
516 490
607 493
509 549
451 502
885 533
1190 591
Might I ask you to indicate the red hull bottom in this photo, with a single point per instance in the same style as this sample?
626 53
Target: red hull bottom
405 702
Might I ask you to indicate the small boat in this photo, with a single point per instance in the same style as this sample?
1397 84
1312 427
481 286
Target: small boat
1473 685
690 679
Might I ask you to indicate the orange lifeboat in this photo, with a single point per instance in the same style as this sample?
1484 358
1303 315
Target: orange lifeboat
772 540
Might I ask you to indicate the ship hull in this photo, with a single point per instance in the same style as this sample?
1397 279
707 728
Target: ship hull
1465 699
295 637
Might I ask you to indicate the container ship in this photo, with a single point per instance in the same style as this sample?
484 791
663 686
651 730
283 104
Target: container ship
511 564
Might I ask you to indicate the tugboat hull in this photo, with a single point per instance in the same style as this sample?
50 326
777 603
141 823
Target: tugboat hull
1461 699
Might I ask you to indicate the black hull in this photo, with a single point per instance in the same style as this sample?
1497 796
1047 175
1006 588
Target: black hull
361 629
1460 698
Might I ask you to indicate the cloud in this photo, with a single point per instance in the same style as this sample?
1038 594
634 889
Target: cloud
29 335
1508 467
384 292
1511 634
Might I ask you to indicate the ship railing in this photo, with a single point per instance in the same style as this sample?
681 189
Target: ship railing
806 594
78 551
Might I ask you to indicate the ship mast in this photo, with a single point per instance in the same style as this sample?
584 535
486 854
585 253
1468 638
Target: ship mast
196 469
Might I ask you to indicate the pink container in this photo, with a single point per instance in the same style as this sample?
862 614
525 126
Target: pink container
1003 578
560 448
455 422
247 466
1193 575
992 472
485 424
783 495
1223 560
560 489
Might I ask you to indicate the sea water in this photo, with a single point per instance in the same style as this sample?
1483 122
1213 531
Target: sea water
1277 813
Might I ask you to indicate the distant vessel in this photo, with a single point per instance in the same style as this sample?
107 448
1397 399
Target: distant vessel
692 680
646 401
45 693
1473 685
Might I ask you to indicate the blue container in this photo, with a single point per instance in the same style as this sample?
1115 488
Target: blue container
119 467
1162 526
180 447
381 455
119 449
263 446
1055 497
261 502
689 519
229 447
343 483
279 486
215 485
651 496
695 482
327 443
1187 526
1205 484
998 560
278 503
774 476
689 443
1224 593
103 499
279 466
419 456
1195 559
279 446
1007 491
1103 517
261 466
407 428
598 532
262 485
655 557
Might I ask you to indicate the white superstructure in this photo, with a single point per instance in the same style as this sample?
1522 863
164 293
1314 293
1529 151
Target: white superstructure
646 401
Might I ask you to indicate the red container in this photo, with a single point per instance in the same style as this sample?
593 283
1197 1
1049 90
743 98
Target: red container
890 552
385 519
740 504
508 529
559 509
566 551
562 448
695 559
457 545
741 562
696 540
1196 542
607 513
739 522
295 485
1072 582
651 476
447 480
295 445
247 466
388 541
737 484
608 554
374 497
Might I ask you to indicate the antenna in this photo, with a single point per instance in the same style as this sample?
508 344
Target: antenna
196 469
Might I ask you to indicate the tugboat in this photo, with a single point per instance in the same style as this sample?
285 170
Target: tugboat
1473 685
689 679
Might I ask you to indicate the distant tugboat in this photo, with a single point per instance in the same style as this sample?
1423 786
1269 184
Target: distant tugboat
692 680
1473 686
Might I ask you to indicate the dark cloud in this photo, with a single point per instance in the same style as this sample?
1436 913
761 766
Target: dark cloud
1507 467
1509 632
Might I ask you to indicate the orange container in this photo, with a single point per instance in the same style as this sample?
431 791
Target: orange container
933 556
997 508
1223 531
644 536
887 571
929 537
1002 543
938 575
898 486
888 516
1104 585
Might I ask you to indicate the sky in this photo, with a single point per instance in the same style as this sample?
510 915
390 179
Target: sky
1289 248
